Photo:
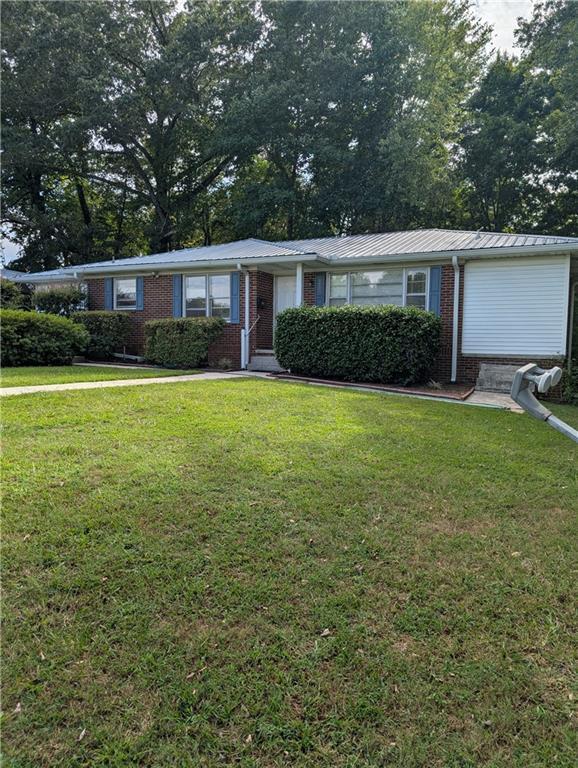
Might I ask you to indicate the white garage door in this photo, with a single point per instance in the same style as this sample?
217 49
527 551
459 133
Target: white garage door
516 307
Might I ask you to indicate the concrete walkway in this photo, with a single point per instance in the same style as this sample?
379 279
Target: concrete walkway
7 391
484 399
494 400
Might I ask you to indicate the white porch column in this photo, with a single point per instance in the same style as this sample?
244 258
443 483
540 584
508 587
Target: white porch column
299 285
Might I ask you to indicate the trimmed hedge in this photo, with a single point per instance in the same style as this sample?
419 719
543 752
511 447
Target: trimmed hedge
32 338
11 295
181 342
385 344
60 301
108 332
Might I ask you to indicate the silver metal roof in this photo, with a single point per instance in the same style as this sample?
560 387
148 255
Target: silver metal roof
50 276
387 245
420 241
238 250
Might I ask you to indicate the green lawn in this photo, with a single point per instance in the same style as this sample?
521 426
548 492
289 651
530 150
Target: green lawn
254 573
62 374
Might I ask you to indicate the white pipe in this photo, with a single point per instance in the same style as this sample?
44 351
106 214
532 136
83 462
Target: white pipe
299 285
456 319
245 332
571 322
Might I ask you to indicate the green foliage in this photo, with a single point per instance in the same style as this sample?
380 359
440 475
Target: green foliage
11 296
59 301
26 376
108 332
32 338
132 126
390 345
181 342
501 148
569 384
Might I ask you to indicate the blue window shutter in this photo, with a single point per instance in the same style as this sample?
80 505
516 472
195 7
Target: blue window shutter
435 289
177 295
108 288
235 298
320 278
140 293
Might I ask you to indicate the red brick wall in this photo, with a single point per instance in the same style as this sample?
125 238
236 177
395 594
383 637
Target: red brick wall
444 367
309 289
264 293
158 303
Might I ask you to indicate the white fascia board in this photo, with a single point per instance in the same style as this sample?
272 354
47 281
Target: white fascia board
40 277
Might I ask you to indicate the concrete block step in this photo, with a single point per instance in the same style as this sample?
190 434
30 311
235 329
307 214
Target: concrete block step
494 377
264 363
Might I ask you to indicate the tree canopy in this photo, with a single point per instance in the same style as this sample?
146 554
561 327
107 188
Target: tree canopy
145 125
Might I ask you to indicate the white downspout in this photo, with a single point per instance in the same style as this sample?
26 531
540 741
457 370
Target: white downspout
246 320
299 285
571 322
456 319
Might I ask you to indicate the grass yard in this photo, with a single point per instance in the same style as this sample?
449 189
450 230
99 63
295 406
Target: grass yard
261 574
62 374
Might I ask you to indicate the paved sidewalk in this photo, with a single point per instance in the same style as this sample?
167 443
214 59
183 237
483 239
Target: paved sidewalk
487 399
494 400
7 391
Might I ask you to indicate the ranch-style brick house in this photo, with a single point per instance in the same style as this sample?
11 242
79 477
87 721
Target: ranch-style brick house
502 298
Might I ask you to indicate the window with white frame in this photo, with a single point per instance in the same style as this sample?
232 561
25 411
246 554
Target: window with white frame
207 296
383 287
125 293
337 290
401 287
416 288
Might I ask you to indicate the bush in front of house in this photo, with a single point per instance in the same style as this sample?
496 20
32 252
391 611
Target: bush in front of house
181 342
33 338
60 301
385 344
108 332
12 295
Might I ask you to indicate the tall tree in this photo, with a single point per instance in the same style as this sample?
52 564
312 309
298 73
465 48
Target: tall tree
163 121
501 152
50 74
360 103
550 57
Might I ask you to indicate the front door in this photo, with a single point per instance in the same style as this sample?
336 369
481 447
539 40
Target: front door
284 292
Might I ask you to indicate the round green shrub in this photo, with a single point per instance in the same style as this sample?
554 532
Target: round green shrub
32 338
108 332
181 342
385 344
11 295
60 301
